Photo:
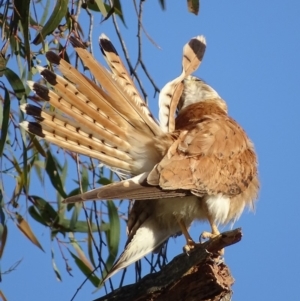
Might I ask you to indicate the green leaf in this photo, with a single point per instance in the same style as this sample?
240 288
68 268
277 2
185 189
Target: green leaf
85 270
5 120
101 6
104 181
84 179
58 13
73 192
3 237
36 216
2 215
3 58
15 82
22 10
45 12
39 166
193 6
114 231
81 227
118 10
109 10
56 271
37 145
52 171
76 210
90 242
98 6
113 234
19 185
47 212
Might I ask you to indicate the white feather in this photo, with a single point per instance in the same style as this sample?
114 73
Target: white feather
218 208
147 238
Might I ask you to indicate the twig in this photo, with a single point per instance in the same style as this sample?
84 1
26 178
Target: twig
90 29
124 49
143 28
68 268
140 58
82 284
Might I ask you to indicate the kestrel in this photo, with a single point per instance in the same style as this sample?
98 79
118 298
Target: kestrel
199 166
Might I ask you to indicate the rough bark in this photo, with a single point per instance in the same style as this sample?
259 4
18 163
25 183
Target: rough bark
200 276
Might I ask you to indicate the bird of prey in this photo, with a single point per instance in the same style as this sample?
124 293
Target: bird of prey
200 165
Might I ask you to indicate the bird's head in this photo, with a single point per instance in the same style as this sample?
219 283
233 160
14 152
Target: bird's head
196 90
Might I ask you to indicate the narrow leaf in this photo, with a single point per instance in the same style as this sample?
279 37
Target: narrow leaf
98 6
3 58
56 271
84 179
80 253
5 120
22 8
26 230
85 270
2 215
104 181
52 171
3 237
58 13
90 242
193 6
113 235
37 145
101 7
15 82
75 215
46 211
81 226
36 216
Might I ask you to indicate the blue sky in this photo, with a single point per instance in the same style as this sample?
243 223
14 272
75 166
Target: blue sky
252 60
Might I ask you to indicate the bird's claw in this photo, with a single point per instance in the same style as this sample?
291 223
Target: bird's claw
189 246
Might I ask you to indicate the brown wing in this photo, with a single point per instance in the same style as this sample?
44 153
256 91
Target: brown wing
211 156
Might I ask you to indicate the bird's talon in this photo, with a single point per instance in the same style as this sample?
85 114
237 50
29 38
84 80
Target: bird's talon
189 246
206 235
186 249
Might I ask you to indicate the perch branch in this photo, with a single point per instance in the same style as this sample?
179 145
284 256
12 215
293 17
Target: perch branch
200 276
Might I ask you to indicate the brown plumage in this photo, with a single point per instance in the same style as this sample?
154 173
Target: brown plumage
199 166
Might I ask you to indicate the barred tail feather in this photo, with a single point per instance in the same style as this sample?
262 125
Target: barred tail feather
169 96
121 98
73 146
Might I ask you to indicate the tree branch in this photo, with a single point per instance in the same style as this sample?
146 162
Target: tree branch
199 276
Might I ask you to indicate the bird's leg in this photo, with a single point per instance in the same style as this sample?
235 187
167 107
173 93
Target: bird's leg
214 232
190 244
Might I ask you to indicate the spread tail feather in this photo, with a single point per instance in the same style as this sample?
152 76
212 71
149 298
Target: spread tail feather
106 123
